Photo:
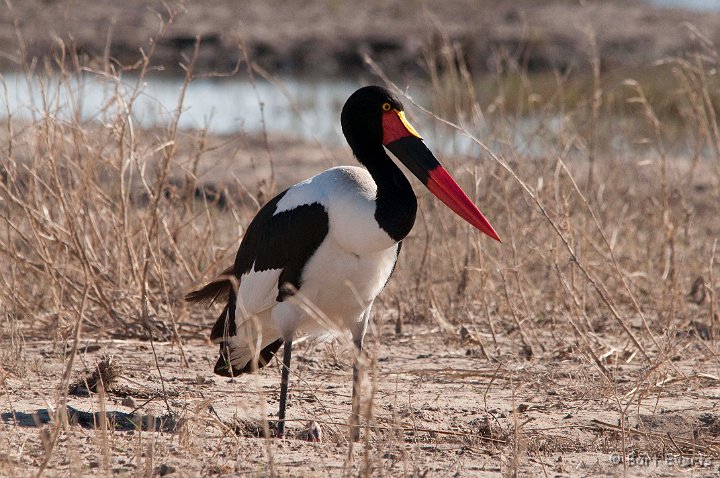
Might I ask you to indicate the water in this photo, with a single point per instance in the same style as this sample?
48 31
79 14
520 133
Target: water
690 4
304 108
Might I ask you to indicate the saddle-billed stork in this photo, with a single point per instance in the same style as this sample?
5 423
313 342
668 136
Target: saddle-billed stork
331 241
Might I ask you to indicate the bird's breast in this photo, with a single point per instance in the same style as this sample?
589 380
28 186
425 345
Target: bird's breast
344 284
351 208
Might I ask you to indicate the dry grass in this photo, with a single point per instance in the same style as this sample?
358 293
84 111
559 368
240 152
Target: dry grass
591 331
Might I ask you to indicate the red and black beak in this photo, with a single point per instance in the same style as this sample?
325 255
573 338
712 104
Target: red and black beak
407 145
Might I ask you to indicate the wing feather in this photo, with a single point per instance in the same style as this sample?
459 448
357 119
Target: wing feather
268 267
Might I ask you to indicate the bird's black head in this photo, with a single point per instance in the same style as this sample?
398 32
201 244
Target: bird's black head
361 117
372 118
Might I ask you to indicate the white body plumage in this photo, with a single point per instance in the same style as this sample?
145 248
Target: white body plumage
338 282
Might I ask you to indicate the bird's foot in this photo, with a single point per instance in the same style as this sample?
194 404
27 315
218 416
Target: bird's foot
312 433
279 431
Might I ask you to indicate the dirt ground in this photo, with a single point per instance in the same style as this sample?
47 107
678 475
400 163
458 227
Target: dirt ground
449 392
438 407
329 37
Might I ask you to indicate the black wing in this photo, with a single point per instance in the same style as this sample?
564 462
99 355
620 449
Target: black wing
285 241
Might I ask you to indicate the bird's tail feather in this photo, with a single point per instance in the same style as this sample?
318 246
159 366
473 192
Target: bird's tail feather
243 348
220 287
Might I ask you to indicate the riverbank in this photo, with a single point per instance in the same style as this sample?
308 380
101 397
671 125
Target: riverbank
330 37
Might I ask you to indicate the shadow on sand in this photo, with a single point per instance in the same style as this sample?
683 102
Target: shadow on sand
115 419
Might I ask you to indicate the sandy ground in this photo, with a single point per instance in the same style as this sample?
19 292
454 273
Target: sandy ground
444 397
437 408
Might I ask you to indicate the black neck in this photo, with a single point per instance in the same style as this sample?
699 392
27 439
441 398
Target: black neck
396 204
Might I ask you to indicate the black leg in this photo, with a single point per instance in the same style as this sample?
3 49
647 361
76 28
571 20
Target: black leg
357 382
287 353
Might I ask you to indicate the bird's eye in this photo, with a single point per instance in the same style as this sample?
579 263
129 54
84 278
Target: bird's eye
386 106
